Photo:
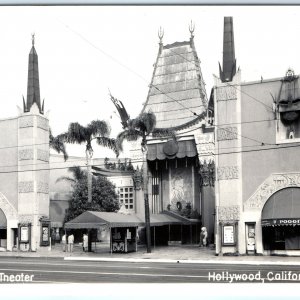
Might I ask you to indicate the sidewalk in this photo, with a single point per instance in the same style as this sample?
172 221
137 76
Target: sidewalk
176 254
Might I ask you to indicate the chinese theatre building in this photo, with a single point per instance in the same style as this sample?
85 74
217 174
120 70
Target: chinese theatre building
258 173
181 172
24 175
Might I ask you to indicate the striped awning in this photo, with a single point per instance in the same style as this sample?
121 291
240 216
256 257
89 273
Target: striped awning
171 149
282 208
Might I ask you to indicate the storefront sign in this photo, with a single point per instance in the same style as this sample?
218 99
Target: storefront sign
278 222
228 236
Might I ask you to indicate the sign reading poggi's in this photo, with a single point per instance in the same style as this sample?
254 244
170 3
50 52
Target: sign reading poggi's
276 222
289 221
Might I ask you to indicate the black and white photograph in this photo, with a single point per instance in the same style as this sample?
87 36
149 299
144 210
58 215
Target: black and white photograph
149 144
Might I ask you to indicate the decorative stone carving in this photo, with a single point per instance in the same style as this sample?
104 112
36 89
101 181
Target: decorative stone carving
25 219
227 133
205 146
229 213
42 187
26 187
137 178
226 93
26 122
42 123
228 172
9 211
271 185
26 154
42 155
207 173
204 138
206 149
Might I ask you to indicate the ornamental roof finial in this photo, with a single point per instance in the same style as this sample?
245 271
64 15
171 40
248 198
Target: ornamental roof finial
160 34
33 38
192 29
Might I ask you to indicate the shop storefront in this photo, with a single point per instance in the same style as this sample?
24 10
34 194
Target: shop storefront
281 221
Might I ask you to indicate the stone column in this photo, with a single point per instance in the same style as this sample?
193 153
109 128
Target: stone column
33 170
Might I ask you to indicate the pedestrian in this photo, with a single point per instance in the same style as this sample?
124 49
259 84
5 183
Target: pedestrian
64 243
203 237
85 241
71 242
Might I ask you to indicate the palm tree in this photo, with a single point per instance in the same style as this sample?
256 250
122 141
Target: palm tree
142 127
57 144
95 130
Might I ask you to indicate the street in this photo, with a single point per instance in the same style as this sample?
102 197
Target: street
57 270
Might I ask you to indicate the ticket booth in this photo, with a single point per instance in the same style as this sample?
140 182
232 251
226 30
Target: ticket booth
123 239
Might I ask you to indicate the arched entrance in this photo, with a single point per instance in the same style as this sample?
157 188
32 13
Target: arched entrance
3 230
280 220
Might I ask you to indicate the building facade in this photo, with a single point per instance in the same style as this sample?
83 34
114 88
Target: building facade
257 145
24 204
181 172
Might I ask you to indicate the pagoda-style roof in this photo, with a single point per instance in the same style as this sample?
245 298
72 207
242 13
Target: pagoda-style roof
177 93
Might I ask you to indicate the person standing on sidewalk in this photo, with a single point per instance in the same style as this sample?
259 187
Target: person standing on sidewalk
203 237
64 242
85 242
71 242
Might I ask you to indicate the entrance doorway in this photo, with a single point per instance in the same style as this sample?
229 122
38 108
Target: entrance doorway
3 230
3 238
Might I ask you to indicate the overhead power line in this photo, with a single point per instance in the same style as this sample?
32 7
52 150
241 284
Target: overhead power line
157 88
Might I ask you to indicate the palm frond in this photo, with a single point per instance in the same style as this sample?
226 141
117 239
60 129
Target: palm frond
77 172
76 134
108 143
98 128
128 134
65 178
145 122
77 175
57 144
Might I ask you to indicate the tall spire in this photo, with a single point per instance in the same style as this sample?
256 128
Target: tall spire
33 85
229 61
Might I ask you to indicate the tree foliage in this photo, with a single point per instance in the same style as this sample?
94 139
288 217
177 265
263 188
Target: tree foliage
104 197
96 130
57 144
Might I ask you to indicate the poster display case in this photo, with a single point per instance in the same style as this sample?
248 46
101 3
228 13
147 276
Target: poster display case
24 236
228 235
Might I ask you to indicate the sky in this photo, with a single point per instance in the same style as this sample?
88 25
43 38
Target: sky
85 51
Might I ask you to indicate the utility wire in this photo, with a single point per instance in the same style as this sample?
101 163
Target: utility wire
224 124
141 160
151 85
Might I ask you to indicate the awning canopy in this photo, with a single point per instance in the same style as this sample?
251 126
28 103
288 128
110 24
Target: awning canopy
171 149
282 208
95 219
